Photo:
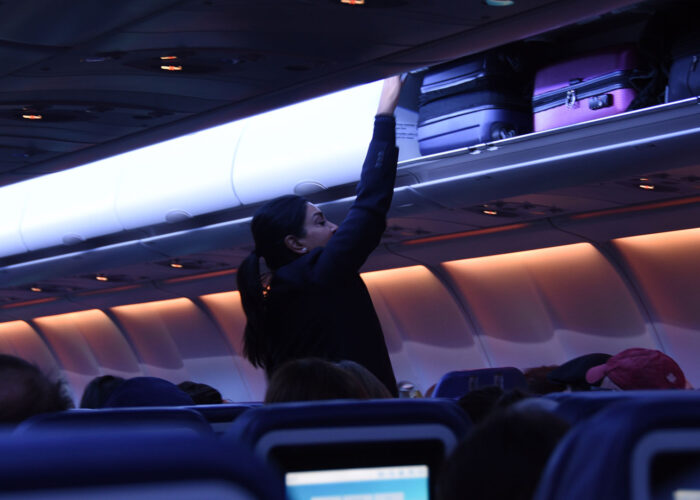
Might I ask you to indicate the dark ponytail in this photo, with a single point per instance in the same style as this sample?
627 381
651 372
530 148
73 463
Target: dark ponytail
272 222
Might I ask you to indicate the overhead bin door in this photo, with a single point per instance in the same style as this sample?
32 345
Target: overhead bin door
307 147
179 179
11 206
72 206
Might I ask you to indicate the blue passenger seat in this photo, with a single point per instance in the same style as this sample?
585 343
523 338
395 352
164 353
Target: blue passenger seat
576 406
113 419
73 465
220 416
370 436
456 384
643 447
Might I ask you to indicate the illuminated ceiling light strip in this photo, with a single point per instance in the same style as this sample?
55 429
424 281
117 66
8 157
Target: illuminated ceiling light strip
32 117
109 290
648 187
171 68
167 58
28 303
638 208
201 276
465 234
353 2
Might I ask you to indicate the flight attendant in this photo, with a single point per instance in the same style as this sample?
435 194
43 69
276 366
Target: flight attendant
301 289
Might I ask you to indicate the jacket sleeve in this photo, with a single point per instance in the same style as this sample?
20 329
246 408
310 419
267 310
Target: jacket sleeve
359 234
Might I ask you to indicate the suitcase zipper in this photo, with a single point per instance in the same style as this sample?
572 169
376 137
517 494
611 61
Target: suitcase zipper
568 96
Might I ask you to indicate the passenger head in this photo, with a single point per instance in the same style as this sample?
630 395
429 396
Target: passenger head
479 403
201 394
538 383
283 230
502 458
98 390
312 379
25 391
374 388
573 372
147 391
638 369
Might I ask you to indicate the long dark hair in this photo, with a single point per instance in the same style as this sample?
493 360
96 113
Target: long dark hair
272 222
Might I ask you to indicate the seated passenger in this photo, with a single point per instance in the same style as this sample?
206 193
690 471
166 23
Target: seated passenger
502 458
539 383
372 385
479 403
312 379
638 369
147 391
98 390
25 391
573 373
201 394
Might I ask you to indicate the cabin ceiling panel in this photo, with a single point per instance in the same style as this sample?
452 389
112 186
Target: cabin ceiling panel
541 303
666 271
18 338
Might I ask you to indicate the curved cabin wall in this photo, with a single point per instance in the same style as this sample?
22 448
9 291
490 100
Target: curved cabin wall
520 309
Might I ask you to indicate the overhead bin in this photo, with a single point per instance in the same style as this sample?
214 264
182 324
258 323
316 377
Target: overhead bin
179 179
306 148
71 206
629 144
12 202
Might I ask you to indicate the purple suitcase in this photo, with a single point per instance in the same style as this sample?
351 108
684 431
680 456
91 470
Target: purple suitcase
585 88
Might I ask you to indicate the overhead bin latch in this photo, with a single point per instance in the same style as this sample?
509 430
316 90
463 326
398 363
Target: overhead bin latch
570 98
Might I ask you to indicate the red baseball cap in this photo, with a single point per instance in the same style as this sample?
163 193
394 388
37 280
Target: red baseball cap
639 369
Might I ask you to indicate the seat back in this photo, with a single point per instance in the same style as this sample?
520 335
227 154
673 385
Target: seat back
595 459
220 416
70 464
318 443
146 419
456 384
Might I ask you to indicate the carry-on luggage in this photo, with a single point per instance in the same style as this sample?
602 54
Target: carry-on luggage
470 101
684 75
584 88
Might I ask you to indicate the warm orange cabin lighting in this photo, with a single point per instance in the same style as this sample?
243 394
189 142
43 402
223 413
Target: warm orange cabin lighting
176 265
167 58
353 2
464 234
490 212
171 68
647 186
32 117
71 316
35 289
688 238
101 277
145 309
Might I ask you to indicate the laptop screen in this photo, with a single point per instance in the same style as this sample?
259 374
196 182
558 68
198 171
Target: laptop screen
405 482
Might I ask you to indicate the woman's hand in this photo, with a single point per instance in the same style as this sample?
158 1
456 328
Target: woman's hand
390 95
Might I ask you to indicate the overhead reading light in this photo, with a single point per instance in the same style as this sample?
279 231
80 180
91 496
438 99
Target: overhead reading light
648 187
353 2
490 212
171 68
35 289
168 58
175 264
101 277
499 3
32 117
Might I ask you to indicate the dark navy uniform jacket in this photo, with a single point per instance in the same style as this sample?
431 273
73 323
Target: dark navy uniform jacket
318 305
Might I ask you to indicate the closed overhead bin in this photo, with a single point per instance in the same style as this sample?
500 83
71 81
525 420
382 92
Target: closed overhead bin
71 206
12 200
307 147
179 179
